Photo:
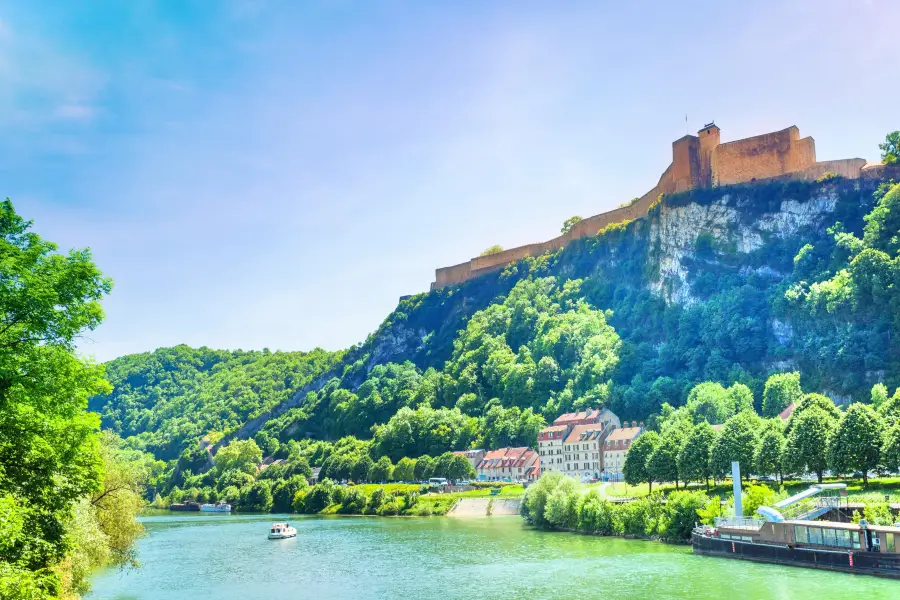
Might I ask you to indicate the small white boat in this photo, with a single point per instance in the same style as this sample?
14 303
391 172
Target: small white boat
218 507
282 531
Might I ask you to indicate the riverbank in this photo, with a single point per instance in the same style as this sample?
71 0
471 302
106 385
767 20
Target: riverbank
485 507
328 498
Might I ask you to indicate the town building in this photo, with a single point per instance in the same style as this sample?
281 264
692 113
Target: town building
509 464
573 444
473 456
582 451
616 448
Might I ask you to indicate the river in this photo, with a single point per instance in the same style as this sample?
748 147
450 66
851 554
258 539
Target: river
227 557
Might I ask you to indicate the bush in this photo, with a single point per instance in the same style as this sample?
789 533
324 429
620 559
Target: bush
682 509
389 508
319 497
596 515
376 500
756 496
354 503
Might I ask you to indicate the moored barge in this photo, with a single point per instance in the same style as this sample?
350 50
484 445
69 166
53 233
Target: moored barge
803 542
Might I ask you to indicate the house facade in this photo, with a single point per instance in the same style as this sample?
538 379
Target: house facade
473 456
583 451
509 464
615 449
574 443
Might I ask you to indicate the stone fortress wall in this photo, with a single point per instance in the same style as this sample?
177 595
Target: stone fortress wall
698 161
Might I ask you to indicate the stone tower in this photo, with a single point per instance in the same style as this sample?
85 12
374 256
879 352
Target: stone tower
709 139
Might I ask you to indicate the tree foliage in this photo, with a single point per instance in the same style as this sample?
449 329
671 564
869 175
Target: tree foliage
856 444
66 499
782 389
635 469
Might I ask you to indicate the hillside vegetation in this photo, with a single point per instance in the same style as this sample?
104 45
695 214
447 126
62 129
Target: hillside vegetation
728 285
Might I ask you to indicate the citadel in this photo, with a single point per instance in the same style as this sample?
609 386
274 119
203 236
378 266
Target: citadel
698 161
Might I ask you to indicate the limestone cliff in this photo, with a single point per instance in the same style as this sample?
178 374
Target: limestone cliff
731 225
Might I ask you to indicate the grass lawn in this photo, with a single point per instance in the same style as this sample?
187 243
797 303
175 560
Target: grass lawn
368 488
507 491
876 492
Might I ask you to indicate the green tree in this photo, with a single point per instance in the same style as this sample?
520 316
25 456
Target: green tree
693 460
535 502
362 468
635 468
319 497
257 497
662 464
495 249
756 496
49 452
424 467
382 470
354 503
780 391
682 509
879 395
284 491
809 440
460 468
891 449
890 149
405 469
736 442
708 401
856 444
240 455
769 454
569 223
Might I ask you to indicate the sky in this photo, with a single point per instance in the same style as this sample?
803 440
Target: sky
257 173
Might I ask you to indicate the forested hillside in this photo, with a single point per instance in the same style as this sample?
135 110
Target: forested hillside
164 398
727 285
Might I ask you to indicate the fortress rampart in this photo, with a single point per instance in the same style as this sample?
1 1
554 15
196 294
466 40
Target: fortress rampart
698 161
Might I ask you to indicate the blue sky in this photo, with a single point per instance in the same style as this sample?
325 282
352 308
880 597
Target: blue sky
276 174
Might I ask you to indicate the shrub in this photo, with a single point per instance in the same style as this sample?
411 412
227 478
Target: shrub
756 496
319 496
354 503
389 508
682 509
376 500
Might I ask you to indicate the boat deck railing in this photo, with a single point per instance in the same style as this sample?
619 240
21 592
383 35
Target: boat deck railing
745 523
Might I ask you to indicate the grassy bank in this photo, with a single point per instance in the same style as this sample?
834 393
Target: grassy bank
875 492
393 499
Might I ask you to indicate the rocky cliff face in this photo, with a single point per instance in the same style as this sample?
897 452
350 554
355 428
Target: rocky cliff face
729 226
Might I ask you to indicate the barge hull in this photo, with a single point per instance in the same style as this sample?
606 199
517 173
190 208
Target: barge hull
863 563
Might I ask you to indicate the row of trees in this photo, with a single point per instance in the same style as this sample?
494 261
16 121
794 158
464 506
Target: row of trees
818 436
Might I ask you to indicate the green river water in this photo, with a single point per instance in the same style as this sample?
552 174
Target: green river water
227 557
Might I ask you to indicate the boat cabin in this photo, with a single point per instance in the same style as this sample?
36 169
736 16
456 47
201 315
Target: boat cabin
830 535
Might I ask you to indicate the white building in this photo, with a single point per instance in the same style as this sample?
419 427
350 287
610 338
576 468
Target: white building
550 447
574 443
583 451
616 448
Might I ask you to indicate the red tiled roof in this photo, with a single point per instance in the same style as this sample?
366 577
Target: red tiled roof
507 457
554 428
787 412
569 418
625 433
588 432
